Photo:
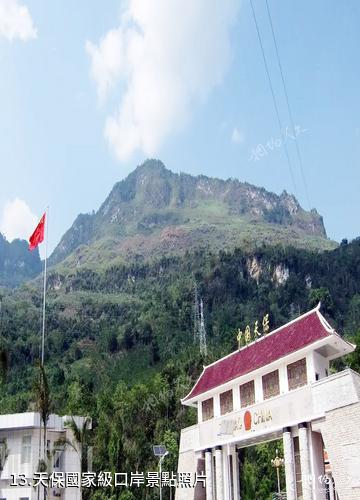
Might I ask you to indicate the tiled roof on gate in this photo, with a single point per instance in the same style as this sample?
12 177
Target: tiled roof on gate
299 333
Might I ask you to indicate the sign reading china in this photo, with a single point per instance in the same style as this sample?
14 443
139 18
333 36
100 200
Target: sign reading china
249 420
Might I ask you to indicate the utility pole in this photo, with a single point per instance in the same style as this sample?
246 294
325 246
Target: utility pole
199 322
160 471
203 346
161 452
196 313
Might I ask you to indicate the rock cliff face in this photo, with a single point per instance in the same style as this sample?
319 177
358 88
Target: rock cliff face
154 211
17 264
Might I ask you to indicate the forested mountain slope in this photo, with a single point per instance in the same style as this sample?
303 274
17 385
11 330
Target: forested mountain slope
17 264
119 342
120 338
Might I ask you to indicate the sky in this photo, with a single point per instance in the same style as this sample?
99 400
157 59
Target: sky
90 89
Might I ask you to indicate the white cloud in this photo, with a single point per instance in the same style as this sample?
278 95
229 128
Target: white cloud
169 55
106 63
17 220
15 21
237 136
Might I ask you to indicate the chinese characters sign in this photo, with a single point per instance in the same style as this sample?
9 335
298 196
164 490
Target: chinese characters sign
247 336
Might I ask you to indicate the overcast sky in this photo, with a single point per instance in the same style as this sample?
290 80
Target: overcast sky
89 89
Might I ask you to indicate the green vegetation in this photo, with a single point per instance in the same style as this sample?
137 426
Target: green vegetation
257 472
119 323
120 340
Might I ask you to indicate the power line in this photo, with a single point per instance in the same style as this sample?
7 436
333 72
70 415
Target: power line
273 97
196 312
199 322
288 105
202 331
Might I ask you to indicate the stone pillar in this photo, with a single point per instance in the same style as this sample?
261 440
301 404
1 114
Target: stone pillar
235 472
226 472
208 472
316 451
200 488
230 458
219 473
289 464
306 477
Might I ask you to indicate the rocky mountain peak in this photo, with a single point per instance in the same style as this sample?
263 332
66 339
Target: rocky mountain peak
145 211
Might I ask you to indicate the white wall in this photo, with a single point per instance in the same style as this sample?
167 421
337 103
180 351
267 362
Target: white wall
13 463
321 365
317 464
14 436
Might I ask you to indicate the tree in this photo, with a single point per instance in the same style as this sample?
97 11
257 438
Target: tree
80 442
4 452
4 364
322 295
353 315
43 402
353 359
43 406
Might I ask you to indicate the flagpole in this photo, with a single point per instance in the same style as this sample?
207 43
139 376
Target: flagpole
43 317
43 333
44 296
35 239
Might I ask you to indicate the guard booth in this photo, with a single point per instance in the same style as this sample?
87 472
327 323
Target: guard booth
278 386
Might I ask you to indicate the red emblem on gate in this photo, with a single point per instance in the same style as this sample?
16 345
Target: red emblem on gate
247 420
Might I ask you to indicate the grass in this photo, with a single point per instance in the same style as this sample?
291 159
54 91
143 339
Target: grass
209 224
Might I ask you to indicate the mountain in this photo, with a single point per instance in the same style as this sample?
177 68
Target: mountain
120 340
155 212
17 264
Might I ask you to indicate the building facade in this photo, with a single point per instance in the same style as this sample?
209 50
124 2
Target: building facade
278 386
19 456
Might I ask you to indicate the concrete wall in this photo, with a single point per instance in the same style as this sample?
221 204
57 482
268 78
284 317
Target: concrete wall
321 365
317 464
13 463
341 435
13 436
187 463
331 405
188 459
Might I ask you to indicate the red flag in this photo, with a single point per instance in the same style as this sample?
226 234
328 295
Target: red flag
38 235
